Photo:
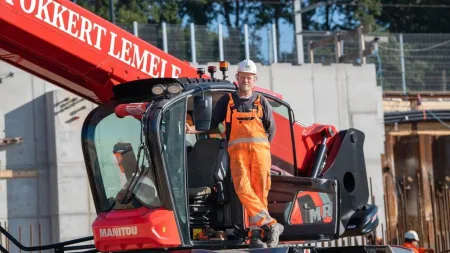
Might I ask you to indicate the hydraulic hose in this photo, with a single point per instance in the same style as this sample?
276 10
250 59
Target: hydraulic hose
320 157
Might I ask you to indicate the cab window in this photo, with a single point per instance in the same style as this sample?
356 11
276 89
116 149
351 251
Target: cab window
281 146
172 136
112 145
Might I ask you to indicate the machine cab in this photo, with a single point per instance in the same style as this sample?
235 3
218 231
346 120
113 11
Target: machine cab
154 186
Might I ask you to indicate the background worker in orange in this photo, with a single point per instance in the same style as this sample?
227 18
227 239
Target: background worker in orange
250 127
411 241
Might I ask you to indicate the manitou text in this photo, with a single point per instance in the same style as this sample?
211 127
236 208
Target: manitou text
122 231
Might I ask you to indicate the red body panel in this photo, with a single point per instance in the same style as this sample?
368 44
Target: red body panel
306 139
135 229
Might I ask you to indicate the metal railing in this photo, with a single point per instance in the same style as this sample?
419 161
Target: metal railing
10 243
404 62
202 44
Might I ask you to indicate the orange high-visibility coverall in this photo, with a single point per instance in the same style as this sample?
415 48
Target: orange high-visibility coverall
250 161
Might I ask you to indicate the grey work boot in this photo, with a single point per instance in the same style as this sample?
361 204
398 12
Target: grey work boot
256 240
272 234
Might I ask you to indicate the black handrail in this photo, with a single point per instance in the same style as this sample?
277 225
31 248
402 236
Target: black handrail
57 246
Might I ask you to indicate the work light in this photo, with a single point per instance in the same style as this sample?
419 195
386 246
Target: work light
158 90
174 88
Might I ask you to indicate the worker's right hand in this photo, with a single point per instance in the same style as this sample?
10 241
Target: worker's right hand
189 129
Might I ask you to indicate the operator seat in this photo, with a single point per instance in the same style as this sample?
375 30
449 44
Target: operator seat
208 182
208 164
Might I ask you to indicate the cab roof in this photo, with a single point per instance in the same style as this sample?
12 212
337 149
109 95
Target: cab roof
142 89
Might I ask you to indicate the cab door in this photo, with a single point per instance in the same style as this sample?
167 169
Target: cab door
306 207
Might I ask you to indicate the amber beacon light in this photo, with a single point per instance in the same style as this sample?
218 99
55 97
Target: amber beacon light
223 66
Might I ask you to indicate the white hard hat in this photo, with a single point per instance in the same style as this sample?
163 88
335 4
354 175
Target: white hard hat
412 235
247 66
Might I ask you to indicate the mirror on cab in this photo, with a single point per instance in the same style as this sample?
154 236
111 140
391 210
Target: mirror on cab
202 112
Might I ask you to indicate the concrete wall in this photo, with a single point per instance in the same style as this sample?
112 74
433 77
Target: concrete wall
74 210
57 202
59 198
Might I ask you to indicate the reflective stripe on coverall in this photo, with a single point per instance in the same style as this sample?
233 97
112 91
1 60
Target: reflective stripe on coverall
250 161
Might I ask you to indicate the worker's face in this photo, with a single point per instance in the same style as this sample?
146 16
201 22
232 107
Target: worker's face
415 243
246 81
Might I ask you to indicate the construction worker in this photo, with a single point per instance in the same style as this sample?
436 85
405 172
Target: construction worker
250 127
411 242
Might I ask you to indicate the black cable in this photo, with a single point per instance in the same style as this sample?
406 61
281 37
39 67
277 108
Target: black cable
419 119
409 113
414 116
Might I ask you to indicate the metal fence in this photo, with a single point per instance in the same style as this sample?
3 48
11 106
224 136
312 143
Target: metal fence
404 62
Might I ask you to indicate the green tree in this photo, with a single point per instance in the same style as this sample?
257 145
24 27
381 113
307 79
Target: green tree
164 11
98 7
128 11
364 13
274 13
125 11
200 12
345 14
235 13
415 19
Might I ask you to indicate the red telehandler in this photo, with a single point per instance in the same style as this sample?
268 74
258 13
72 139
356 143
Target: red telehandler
155 188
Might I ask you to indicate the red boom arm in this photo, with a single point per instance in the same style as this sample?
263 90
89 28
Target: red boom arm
79 51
